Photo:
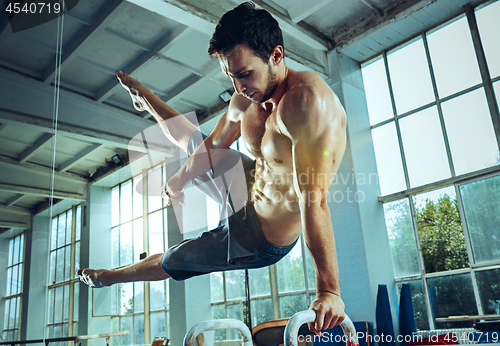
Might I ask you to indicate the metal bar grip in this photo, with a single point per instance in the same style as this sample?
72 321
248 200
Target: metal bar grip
228 323
301 317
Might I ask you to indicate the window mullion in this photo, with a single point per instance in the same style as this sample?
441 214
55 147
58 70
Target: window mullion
432 325
396 122
485 73
273 279
438 105
72 271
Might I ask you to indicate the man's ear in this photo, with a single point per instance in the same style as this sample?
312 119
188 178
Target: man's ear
277 55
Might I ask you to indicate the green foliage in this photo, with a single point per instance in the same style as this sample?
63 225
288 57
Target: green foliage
441 235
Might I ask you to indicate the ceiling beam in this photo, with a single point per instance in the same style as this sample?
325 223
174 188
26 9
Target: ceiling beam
78 157
371 5
104 16
305 8
144 59
11 224
196 18
3 127
312 38
15 210
36 191
347 35
41 170
14 200
31 151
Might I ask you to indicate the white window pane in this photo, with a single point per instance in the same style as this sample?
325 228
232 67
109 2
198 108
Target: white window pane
157 295
15 273
11 252
234 311
424 148
377 92
16 316
290 305
138 239
16 250
126 324
115 247
52 273
9 282
481 204
388 156
157 325
453 58
489 290
156 233
262 311
78 223
61 230
410 77
401 238
489 27
155 185
259 282
126 244
472 141
53 237
60 265
126 202
115 206
65 330
139 329
20 278
67 268
7 314
21 248
137 195
440 231
217 287
127 298
219 312
77 258
66 303
58 304
235 284
452 295
76 309
69 225
290 271
50 307
138 297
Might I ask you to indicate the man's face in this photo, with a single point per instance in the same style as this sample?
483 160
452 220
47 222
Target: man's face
251 76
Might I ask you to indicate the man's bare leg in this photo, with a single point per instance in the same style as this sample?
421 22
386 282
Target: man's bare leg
149 269
176 127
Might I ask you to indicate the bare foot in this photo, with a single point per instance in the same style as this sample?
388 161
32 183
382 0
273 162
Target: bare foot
135 89
93 278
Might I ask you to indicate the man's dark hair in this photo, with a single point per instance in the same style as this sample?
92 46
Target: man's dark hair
247 24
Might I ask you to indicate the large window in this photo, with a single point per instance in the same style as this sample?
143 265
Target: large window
432 117
63 285
14 289
138 228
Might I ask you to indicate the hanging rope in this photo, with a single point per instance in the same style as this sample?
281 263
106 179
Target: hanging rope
55 117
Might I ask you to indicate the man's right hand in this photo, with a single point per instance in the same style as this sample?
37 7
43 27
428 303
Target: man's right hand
172 197
136 90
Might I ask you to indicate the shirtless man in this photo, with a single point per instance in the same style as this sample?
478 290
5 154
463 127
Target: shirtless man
294 125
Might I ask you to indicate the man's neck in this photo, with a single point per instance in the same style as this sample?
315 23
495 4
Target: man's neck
281 89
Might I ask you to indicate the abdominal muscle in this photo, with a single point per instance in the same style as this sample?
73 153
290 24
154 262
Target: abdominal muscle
275 204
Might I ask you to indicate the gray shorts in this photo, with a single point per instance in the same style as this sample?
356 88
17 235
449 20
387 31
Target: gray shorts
238 241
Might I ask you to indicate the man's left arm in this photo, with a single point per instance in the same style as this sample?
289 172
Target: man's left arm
314 120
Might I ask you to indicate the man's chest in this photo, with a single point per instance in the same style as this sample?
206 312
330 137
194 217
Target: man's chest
264 139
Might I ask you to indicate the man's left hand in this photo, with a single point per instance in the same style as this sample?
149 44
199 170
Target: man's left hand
171 193
329 309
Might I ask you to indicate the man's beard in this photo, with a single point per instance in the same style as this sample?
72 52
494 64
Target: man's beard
272 84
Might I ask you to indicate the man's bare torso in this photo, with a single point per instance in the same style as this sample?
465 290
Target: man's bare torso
274 194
